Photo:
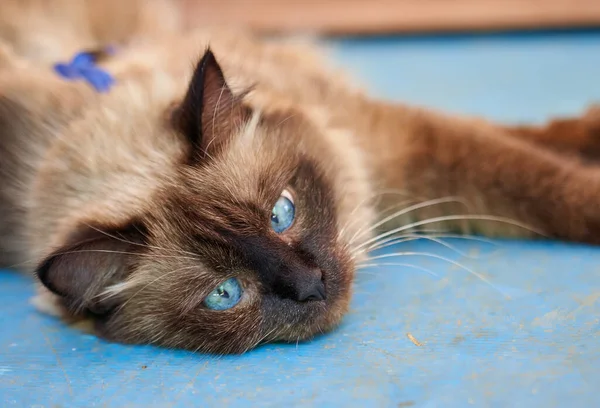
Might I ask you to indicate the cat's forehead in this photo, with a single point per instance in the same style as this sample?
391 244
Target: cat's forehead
265 152
271 134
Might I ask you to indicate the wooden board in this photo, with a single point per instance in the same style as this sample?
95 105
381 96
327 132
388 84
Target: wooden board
394 16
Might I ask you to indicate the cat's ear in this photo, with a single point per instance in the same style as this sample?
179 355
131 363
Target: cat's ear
210 113
94 260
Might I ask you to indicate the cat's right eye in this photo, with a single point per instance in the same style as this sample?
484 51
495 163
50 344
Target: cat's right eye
225 296
283 213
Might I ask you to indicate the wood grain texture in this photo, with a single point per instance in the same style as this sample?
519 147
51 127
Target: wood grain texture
393 16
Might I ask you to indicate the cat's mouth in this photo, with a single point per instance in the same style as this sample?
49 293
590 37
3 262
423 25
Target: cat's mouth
292 320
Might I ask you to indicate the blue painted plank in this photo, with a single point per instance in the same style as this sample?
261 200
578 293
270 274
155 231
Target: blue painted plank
511 78
529 337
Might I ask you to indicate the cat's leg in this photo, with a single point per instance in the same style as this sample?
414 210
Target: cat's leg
495 176
575 135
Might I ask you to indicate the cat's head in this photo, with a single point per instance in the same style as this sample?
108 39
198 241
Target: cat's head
252 239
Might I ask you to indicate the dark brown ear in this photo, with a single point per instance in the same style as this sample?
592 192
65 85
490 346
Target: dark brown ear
210 113
94 260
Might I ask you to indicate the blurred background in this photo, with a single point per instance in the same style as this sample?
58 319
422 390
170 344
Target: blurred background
368 17
508 60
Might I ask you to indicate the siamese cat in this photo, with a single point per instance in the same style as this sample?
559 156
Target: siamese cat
221 189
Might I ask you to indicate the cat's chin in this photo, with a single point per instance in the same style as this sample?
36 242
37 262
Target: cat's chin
325 316
292 322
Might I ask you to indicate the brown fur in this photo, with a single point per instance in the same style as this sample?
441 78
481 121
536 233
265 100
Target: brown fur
132 206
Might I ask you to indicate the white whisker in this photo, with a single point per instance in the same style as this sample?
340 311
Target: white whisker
108 293
106 251
154 256
375 203
433 238
394 240
429 255
416 207
398 264
415 237
450 218
369 227
137 243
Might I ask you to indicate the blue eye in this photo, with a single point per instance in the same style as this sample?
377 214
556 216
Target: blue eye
283 214
225 296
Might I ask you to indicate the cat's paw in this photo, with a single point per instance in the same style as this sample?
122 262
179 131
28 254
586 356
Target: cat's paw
573 136
590 127
48 303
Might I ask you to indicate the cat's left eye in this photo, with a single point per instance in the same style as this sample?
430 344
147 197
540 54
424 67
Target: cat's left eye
283 213
225 296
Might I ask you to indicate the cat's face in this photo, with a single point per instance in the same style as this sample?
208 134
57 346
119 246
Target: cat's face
242 246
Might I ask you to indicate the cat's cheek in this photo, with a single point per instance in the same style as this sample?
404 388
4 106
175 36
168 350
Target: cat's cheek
251 296
102 329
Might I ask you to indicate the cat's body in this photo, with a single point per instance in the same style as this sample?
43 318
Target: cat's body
134 205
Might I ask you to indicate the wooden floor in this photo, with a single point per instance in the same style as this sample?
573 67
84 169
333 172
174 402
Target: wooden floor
386 16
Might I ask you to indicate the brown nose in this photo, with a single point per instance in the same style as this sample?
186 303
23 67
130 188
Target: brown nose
311 288
301 284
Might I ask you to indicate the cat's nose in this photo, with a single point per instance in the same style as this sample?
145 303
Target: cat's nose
311 287
300 283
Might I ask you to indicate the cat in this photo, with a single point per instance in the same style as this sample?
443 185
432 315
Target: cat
224 191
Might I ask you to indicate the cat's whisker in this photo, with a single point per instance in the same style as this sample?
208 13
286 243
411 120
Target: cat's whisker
442 258
153 256
400 238
377 197
267 336
353 219
121 239
107 251
355 252
365 223
415 237
365 272
416 207
120 287
351 222
21 264
214 119
371 265
290 116
469 217
368 225
432 238
396 191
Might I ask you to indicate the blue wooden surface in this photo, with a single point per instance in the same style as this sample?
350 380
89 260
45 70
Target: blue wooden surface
530 338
